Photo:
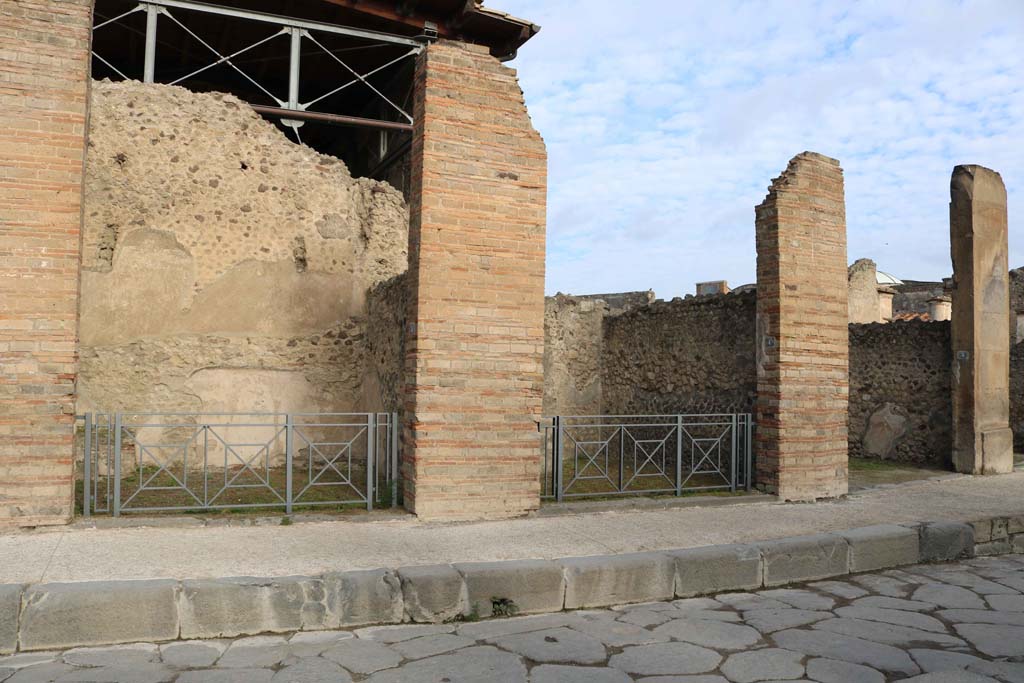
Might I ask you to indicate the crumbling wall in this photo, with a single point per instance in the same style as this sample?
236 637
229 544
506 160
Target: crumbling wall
862 282
386 318
693 355
1017 395
900 400
573 342
224 267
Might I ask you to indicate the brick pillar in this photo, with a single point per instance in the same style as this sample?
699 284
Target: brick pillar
475 343
982 439
802 336
44 59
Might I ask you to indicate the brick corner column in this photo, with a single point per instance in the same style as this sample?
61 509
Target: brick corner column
45 58
802 333
982 438
475 343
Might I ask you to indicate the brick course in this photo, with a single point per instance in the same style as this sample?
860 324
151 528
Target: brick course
475 338
802 337
44 59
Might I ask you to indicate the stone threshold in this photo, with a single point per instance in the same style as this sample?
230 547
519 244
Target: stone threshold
49 616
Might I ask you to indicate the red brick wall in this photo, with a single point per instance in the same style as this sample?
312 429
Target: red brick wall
44 69
474 354
802 341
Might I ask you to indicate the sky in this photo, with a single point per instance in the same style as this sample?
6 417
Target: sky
666 120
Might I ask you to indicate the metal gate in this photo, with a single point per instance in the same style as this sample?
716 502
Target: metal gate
614 455
160 462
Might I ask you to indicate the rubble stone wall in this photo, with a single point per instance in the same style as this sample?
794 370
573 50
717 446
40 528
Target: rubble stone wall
573 344
225 268
693 355
900 407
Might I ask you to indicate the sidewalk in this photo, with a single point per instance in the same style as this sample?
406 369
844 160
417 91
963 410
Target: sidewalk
77 554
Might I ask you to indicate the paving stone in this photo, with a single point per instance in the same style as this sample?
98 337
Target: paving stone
1006 603
950 677
312 670
560 645
41 673
192 654
801 599
312 643
840 589
763 665
226 676
362 597
473 665
645 617
980 616
883 585
60 615
254 651
113 655
533 586
834 671
660 606
716 568
428 646
884 602
396 634
994 640
945 595
666 659
771 620
139 673
549 673
502 627
847 649
21 660
362 656
706 678
692 604
615 579
617 633
889 634
750 601
881 546
716 634
893 616
433 593
223 608
971 581
804 558
941 660
5 674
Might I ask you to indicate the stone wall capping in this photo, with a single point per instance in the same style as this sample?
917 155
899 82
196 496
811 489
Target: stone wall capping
64 615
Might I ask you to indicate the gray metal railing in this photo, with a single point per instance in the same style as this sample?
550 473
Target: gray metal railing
614 455
163 462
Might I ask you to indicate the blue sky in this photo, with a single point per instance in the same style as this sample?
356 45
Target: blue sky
667 119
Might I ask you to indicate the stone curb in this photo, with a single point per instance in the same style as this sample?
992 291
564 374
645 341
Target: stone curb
50 616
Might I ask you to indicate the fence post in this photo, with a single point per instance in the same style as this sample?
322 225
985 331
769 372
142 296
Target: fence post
86 467
371 457
679 455
733 456
395 471
558 459
288 445
750 452
117 464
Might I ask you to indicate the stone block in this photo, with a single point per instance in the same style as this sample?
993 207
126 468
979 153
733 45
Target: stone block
63 615
1017 543
1000 528
804 558
944 541
1000 547
617 579
982 530
532 586
700 571
433 593
10 607
362 597
224 608
1015 525
881 546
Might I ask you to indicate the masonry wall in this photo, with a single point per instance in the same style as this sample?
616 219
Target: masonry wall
1017 395
573 346
693 355
225 268
44 62
474 351
900 405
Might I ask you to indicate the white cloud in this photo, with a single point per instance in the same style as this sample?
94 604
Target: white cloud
666 121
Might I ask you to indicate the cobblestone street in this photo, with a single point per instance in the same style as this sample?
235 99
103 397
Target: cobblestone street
934 623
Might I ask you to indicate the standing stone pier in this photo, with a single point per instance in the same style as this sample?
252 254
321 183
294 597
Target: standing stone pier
802 336
475 347
982 439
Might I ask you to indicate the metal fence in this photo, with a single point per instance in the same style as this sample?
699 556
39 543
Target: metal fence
614 455
158 462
